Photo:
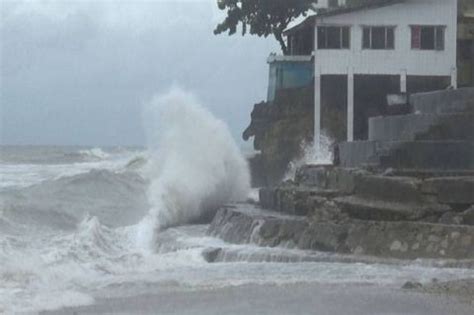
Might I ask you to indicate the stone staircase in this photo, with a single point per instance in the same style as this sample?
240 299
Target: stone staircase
406 193
354 211
438 134
362 195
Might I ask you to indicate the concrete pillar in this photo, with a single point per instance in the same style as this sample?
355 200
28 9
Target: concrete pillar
317 108
350 105
454 78
403 81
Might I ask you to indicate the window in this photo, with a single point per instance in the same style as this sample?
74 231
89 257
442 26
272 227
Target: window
333 37
427 37
378 37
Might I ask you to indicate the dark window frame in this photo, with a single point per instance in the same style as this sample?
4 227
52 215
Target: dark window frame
344 41
420 39
368 30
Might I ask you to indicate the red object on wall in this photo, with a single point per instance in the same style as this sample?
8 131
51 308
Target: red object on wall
415 37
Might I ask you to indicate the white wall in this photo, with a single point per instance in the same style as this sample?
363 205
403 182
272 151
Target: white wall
402 58
325 3
321 4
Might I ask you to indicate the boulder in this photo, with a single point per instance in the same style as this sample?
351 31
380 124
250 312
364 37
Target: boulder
279 128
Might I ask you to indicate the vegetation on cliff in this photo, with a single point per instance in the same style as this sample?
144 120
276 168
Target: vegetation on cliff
261 17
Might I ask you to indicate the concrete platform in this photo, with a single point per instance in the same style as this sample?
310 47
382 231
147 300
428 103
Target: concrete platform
378 210
402 240
451 190
458 126
445 101
439 155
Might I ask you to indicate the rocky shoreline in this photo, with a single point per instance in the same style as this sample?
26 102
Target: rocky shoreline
405 195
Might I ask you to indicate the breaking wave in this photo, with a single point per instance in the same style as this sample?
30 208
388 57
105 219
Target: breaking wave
194 164
312 155
116 198
94 153
75 226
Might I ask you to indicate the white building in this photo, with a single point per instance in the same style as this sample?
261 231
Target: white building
405 39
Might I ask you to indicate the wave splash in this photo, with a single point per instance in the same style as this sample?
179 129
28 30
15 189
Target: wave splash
312 155
65 236
95 153
194 167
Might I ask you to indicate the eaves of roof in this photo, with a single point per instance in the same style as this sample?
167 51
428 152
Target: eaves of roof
368 5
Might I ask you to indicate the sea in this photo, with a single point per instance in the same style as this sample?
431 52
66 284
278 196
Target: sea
78 224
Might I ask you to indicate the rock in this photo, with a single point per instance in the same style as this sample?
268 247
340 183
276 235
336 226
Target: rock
379 210
295 199
257 172
468 216
266 197
451 190
462 289
389 188
324 237
402 240
328 177
451 218
279 128
211 254
249 224
409 285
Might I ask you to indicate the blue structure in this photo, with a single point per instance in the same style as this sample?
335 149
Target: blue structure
289 72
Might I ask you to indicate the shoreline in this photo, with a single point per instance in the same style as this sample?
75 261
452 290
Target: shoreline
462 290
300 298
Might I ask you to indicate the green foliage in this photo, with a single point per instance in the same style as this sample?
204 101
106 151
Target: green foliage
261 17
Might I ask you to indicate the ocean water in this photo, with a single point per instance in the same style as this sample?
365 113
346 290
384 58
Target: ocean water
79 224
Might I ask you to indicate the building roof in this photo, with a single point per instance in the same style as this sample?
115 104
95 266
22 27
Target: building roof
299 20
360 5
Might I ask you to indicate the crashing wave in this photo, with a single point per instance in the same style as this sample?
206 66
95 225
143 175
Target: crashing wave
116 198
312 155
195 166
136 163
95 154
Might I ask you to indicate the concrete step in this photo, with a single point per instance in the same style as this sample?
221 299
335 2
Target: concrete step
243 224
451 190
442 102
422 127
439 155
328 177
293 199
361 208
429 173
390 188
455 188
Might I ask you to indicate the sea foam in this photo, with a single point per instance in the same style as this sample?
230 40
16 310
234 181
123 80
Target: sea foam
194 167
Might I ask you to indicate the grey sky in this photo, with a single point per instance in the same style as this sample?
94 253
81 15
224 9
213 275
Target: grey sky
78 72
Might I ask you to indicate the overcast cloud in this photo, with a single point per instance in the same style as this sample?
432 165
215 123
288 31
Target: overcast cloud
78 72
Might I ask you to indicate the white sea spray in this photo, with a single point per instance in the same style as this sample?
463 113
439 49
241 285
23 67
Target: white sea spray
194 164
312 155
